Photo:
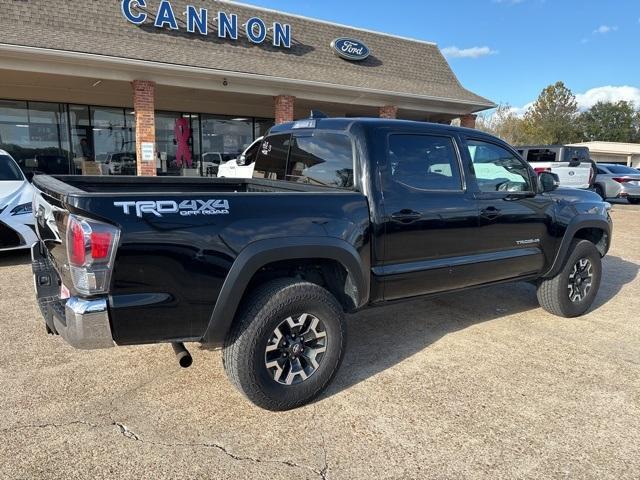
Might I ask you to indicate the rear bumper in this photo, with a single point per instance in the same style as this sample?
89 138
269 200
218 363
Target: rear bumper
628 191
83 323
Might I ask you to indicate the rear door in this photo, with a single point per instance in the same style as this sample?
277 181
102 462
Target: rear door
429 217
513 239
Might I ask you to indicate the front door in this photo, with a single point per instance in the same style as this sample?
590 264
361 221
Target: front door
513 238
429 216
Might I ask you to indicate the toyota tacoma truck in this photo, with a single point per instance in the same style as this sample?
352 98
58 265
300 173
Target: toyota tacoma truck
341 214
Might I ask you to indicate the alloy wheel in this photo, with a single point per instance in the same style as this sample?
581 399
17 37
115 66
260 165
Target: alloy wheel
580 280
295 349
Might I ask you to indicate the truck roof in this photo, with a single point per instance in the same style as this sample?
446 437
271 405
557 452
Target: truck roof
346 123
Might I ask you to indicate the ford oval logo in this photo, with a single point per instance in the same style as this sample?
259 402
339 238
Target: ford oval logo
350 49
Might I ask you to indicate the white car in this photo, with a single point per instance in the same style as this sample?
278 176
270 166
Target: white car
16 218
241 167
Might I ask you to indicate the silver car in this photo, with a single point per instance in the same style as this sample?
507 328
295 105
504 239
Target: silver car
618 181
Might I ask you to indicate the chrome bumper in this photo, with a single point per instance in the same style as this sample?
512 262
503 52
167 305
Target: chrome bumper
83 323
86 324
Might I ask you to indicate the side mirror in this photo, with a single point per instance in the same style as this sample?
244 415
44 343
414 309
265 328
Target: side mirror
548 181
242 160
574 162
29 175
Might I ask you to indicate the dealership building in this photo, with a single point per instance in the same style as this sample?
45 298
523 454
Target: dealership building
167 87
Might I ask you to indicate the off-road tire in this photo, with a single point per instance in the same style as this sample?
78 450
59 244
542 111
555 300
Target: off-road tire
600 191
260 313
553 293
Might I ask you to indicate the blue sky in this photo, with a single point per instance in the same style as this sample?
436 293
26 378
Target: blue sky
508 50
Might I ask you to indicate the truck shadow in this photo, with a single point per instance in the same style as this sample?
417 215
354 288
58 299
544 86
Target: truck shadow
14 258
382 337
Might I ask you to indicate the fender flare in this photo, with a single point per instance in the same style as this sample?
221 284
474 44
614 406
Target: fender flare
262 252
578 223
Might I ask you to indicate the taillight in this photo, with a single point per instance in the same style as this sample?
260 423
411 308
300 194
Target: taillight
623 179
100 244
77 252
539 170
91 248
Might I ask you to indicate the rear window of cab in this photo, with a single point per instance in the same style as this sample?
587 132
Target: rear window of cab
319 157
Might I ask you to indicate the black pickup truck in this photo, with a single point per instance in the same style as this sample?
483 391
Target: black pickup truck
341 214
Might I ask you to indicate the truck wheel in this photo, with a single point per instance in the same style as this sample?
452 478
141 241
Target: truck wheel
600 191
572 291
286 344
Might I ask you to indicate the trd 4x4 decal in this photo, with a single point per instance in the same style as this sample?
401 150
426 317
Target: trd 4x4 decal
185 208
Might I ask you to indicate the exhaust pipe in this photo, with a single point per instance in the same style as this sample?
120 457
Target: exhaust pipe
183 355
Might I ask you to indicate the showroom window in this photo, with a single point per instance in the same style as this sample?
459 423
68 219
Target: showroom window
36 135
178 144
55 138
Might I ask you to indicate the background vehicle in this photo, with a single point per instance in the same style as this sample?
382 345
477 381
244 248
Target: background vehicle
573 165
16 193
211 163
618 181
241 167
371 211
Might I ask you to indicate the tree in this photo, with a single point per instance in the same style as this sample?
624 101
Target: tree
552 118
609 122
505 123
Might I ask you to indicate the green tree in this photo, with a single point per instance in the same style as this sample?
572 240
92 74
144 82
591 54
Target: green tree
505 123
552 118
609 122
636 127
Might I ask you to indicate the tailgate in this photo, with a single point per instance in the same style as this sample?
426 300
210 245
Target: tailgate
51 218
576 177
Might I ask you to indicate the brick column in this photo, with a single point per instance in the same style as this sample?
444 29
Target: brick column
144 92
468 121
388 111
284 108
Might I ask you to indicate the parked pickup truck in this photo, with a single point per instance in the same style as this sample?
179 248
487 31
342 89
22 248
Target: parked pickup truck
348 213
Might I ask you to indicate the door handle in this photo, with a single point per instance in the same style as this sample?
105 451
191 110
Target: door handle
490 213
406 215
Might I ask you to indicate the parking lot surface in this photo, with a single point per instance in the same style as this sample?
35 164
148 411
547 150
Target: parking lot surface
479 384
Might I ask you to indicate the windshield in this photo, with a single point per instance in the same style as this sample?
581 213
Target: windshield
622 170
9 170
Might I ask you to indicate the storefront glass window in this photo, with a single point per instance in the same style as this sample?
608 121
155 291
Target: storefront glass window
178 144
58 139
114 141
81 136
36 135
261 126
223 139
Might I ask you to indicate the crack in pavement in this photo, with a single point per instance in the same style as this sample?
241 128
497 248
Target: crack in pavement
46 425
324 471
131 435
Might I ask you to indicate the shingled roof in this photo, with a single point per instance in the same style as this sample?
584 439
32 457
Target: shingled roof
396 65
